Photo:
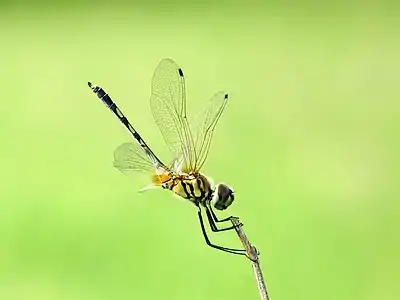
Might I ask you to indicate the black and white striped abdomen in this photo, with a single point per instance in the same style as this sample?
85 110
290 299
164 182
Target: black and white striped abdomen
103 96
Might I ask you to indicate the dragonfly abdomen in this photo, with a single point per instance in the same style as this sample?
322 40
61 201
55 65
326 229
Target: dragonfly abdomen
103 96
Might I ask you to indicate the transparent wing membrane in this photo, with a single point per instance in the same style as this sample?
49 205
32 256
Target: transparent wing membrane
130 157
168 105
204 124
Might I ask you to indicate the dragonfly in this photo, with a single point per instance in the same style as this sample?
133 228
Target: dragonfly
189 145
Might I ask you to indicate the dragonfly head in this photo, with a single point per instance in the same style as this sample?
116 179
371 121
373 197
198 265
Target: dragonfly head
223 196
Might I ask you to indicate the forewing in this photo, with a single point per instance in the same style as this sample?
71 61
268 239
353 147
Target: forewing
168 105
205 125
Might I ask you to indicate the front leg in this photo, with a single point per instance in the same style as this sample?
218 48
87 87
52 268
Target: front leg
215 218
212 221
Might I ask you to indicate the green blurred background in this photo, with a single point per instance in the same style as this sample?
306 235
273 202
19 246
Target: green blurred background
309 141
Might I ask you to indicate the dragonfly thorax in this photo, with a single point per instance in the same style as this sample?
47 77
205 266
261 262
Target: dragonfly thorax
194 187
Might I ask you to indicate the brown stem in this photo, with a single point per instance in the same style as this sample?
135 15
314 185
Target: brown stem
252 254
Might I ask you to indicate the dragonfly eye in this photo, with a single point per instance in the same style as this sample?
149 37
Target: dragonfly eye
223 197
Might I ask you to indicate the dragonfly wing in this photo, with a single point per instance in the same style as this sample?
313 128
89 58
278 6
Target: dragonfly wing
168 105
205 124
130 157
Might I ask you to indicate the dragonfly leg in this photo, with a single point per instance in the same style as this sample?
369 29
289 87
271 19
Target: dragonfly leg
229 250
213 226
215 218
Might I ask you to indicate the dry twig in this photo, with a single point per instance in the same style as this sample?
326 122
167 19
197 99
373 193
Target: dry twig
252 254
